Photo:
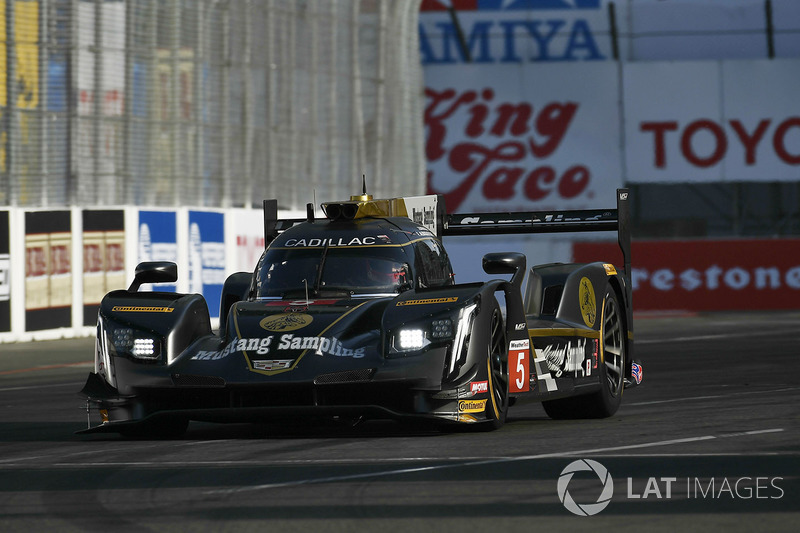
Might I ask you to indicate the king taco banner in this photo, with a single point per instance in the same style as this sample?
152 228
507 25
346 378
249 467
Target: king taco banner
502 138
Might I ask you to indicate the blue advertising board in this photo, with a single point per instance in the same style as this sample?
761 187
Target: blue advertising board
158 241
207 256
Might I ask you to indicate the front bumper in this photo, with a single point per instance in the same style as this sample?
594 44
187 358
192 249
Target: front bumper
350 393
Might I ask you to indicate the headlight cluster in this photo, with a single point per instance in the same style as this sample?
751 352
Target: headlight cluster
415 337
442 329
136 344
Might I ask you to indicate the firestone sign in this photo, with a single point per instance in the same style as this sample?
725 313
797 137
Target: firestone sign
708 275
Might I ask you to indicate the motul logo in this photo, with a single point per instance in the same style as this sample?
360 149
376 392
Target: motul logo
478 387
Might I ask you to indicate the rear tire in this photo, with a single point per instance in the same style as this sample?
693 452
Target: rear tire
606 401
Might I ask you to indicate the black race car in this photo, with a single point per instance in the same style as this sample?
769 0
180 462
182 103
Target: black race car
358 316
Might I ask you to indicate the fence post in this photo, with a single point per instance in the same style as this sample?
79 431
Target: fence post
770 30
43 86
11 101
96 196
612 29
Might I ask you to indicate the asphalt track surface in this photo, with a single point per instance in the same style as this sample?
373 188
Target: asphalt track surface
710 441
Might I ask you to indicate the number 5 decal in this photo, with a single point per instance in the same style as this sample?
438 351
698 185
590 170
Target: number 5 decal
519 366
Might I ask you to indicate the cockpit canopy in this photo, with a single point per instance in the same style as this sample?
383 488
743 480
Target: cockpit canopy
366 257
290 272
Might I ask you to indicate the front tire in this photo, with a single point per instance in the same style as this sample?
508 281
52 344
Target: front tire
605 402
497 368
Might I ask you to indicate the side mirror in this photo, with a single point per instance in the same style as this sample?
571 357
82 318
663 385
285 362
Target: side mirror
506 263
154 272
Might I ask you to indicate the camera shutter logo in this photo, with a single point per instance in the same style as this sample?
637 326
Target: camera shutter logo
585 509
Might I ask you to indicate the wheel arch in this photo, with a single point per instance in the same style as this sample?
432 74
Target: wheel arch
620 287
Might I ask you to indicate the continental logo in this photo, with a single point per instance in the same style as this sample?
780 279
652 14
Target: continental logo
137 309
587 302
472 406
429 301
286 322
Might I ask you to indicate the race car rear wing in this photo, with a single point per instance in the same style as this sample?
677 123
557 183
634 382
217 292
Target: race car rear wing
547 222
430 211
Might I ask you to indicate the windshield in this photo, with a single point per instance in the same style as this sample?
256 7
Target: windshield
286 272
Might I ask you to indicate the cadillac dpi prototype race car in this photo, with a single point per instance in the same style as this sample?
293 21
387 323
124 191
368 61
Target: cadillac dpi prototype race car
358 316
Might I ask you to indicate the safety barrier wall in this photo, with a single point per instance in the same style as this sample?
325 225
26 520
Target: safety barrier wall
56 265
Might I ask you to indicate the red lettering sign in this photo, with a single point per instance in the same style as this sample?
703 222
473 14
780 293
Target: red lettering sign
92 258
35 262
499 150
707 275
749 136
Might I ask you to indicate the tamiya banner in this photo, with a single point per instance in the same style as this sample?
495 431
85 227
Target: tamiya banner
513 31
703 275
158 241
5 274
103 258
207 256
48 270
503 138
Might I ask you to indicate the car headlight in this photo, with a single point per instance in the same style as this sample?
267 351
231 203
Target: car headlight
411 339
415 337
136 344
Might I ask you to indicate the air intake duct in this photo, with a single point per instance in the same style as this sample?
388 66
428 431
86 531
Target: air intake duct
341 211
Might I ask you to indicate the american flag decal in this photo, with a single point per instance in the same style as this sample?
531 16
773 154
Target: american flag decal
636 372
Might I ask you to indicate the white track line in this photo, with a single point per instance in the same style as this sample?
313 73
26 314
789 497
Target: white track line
40 387
712 397
714 336
394 472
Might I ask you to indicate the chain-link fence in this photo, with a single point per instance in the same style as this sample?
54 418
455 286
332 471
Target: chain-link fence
208 102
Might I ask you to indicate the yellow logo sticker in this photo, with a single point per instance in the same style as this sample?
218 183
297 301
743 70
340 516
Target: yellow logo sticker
472 406
429 301
610 269
136 309
286 322
587 302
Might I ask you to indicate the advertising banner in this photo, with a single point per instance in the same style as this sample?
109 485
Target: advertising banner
158 241
48 270
247 227
207 257
26 46
103 258
708 121
503 138
707 275
5 274
513 32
